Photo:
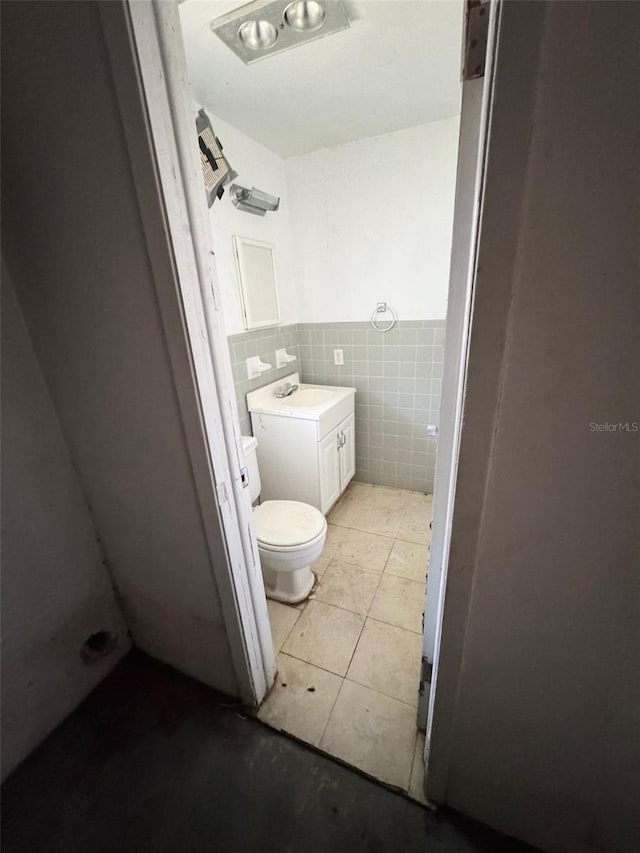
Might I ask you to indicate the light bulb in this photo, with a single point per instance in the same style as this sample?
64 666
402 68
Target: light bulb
258 35
304 16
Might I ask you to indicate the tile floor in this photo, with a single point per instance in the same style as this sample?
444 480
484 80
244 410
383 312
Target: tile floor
349 658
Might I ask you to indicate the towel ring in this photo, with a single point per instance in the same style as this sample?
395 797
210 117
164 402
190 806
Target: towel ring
384 308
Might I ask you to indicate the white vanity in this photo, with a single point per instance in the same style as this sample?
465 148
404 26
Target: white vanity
306 441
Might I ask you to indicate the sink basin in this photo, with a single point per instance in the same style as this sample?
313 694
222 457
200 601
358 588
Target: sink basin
327 405
308 397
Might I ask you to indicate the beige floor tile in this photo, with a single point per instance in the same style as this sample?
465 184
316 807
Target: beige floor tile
408 560
301 699
282 618
387 659
358 489
325 636
348 586
373 519
346 510
416 783
364 549
372 732
320 565
384 498
420 499
414 526
335 536
400 602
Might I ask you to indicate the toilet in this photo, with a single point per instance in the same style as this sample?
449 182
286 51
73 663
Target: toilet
291 536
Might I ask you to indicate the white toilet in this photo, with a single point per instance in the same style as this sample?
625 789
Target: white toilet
291 536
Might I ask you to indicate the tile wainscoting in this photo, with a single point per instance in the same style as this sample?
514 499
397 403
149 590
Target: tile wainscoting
262 342
397 375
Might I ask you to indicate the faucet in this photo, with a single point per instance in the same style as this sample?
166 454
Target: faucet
285 390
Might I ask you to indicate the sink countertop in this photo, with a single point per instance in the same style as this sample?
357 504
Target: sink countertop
263 400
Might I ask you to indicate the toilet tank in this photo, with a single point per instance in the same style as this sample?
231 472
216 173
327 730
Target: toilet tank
249 445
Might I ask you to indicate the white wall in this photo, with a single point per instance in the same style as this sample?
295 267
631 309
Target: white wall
74 242
56 591
537 695
371 221
259 167
359 223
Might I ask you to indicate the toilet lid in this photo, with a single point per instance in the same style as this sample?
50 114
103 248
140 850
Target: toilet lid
286 523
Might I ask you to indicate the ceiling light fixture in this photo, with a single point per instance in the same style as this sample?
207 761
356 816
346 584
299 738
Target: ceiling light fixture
304 16
266 27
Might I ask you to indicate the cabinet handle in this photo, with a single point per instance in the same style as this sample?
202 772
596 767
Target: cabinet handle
339 440
343 439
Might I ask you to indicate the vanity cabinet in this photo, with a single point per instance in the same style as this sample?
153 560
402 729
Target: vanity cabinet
301 456
336 463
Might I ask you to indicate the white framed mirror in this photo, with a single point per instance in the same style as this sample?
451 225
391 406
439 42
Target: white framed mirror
255 264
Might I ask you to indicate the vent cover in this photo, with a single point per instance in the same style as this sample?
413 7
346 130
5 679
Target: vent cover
215 167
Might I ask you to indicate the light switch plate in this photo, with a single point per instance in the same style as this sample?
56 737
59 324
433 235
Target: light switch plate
338 356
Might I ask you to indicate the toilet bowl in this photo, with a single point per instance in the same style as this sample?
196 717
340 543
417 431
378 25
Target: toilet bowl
290 534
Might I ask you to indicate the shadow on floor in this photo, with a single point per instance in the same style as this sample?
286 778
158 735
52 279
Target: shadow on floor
153 762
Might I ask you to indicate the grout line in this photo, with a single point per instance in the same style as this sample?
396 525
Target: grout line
364 622
393 625
295 622
386 695
368 616
315 665
355 648
368 610
330 714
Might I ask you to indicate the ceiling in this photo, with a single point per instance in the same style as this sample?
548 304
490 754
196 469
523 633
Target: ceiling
397 66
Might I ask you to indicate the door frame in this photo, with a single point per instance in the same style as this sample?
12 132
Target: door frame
144 40
509 122
144 44
470 181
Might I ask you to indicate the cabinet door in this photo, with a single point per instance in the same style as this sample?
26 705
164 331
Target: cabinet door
347 452
329 470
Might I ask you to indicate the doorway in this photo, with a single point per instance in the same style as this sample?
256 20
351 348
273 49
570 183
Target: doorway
379 521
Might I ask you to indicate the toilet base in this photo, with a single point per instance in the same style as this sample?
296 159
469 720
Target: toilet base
289 587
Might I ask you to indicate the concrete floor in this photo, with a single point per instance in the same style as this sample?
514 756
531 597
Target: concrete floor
154 762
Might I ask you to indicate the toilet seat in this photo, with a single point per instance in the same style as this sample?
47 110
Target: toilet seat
290 549
288 525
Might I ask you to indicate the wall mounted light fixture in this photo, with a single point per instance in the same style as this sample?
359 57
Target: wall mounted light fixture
265 27
253 200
